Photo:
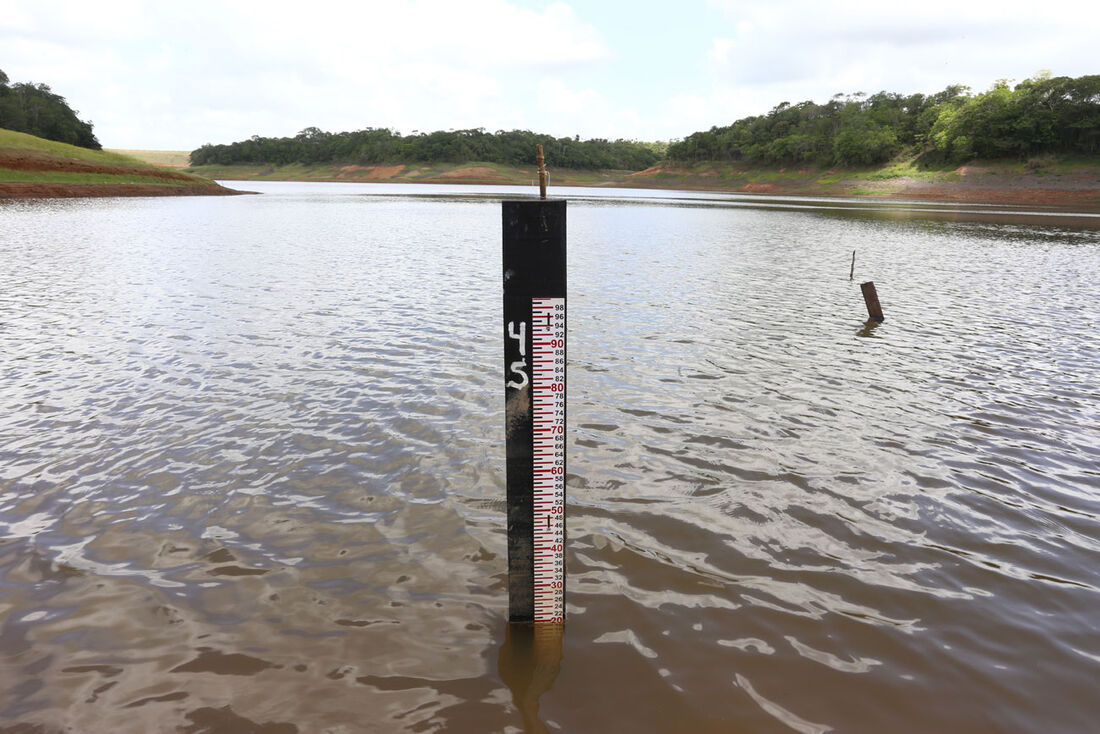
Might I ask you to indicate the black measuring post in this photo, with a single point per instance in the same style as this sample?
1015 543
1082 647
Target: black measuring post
534 379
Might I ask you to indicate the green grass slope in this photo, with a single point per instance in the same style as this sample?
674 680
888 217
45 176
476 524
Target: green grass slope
161 158
35 167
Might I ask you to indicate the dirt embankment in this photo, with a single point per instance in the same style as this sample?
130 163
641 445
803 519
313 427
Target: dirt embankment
370 173
402 173
153 181
970 184
39 190
1072 186
981 184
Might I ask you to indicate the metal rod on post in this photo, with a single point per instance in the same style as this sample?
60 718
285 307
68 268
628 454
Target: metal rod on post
542 171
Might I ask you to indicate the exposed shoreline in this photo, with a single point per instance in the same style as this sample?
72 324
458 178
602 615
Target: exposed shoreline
1061 186
59 190
1069 187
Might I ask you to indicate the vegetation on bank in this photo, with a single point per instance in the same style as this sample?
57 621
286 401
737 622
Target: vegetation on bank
35 109
1043 135
33 166
1044 116
377 146
1038 117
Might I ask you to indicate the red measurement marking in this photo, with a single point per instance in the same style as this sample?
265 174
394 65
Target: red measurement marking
548 445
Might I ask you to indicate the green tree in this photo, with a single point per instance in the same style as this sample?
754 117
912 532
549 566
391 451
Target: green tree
863 142
374 146
35 109
1042 115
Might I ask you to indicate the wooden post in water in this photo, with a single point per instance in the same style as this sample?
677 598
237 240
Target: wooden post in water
534 387
870 297
852 274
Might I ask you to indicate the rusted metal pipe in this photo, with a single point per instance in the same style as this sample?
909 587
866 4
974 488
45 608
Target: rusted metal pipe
542 172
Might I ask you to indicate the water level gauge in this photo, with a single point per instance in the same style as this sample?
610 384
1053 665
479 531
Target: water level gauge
535 407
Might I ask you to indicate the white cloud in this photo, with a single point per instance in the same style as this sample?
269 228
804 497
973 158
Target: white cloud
555 97
217 71
176 75
683 114
796 50
913 47
69 21
564 111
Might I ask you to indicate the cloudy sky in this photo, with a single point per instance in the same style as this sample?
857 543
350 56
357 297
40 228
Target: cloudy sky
175 75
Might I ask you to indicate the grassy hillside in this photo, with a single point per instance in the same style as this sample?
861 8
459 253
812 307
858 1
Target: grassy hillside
22 143
165 158
34 167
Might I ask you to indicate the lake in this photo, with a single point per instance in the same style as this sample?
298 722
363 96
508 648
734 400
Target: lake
252 466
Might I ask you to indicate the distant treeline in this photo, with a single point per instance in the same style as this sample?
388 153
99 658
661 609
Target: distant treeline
1045 115
379 145
36 110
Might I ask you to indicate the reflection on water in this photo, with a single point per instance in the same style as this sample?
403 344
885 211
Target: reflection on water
530 660
252 478
869 327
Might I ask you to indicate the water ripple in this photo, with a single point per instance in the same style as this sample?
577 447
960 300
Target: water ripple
251 470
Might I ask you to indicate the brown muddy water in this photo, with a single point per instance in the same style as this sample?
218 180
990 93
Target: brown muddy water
252 468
